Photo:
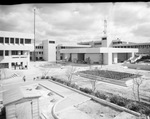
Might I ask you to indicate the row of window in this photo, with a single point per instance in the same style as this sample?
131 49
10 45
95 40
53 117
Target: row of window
15 40
39 47
140 46
51 41
36 53
12 53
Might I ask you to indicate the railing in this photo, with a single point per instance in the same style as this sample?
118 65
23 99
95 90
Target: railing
19 56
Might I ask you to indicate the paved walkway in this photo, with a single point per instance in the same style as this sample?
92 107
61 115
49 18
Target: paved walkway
72 97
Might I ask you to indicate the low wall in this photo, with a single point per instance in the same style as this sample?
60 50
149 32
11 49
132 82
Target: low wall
98 100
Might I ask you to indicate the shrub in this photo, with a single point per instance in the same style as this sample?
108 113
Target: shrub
118 100
133 106
74 86
86 90
101 95
47 77
43 77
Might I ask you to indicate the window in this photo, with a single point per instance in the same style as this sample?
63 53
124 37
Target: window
51 41
4 65
39 52
27 41
21 41
1 52
42 52
42 47
1 40
36 47
6 52
17 40
21 52
104 38
14 52
7 40
30 53
11 40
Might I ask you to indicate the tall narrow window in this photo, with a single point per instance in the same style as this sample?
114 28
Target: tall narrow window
6 40
21 41
12 40
17 40
1 39
1 52
6 52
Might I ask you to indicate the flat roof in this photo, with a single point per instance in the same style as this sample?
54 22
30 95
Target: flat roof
73 45
132 44
16 94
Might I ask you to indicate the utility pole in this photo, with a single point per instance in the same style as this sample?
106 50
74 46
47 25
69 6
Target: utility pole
34 35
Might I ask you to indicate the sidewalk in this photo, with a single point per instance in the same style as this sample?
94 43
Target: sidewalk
71 99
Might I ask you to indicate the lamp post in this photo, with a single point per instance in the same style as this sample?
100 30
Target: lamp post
34 34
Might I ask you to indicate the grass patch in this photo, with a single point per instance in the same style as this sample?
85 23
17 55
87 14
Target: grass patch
109 74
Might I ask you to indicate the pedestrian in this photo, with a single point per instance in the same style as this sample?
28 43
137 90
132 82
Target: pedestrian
24 78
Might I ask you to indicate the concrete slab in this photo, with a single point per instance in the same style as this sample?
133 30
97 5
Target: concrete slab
125 115
73 113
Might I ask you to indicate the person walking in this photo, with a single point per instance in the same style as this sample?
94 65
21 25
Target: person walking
24 78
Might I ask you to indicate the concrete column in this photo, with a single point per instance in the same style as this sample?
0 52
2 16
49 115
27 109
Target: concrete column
133 54
9 65
9 52
109 58
4 41
115 57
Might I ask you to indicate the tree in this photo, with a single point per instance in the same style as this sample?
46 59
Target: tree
45 72
70 72
137 82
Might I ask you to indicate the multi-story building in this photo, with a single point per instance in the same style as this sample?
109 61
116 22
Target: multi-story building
15 49
101 52
44 51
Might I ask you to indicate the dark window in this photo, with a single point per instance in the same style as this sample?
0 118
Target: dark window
6 40
39 52
17 40
42 52
11 40
14 52
1 52
21 41
51 41
36 47
4 65
6 52
104 38
42 47
27 41
21 52
30 53
1 40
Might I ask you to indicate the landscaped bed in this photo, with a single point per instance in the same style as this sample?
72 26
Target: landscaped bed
109 74
97 110
118 100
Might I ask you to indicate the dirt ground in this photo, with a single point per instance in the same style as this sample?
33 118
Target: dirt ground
97 111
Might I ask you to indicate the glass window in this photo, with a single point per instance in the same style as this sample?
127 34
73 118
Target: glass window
51 41
11 40
6 40
1 39
27 41
1 52
21 41
6 52
17 40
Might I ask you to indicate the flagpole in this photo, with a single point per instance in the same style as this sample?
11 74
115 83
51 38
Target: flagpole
34 35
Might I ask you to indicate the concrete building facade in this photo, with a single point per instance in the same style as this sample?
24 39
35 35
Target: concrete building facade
44 51
100 52
15 49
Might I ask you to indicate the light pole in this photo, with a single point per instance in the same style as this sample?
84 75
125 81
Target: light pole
34 34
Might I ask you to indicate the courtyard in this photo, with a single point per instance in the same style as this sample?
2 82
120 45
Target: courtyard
59 70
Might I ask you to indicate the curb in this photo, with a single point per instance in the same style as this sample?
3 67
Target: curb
100 100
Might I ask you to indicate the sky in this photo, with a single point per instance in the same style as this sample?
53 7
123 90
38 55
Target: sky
79 22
